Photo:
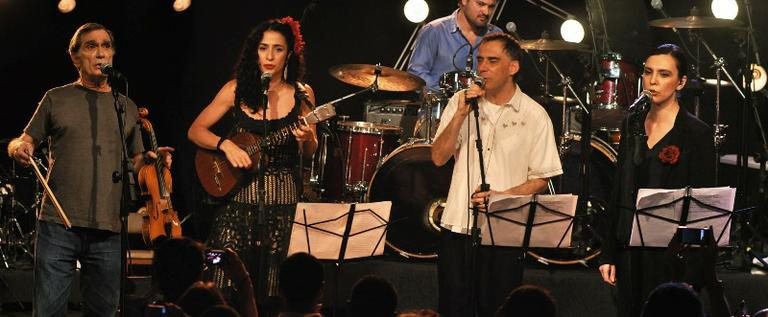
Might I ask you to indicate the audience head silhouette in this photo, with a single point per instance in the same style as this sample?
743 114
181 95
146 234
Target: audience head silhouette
528 301
372 296
200 297
301 282
673 299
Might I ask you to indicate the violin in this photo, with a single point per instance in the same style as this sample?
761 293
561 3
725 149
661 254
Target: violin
159 217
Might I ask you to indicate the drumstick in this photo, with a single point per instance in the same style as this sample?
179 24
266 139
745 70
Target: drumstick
51 162
48 191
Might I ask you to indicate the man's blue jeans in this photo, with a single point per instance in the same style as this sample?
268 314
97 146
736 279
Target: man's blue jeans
56 252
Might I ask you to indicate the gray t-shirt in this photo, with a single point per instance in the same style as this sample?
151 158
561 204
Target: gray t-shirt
85 144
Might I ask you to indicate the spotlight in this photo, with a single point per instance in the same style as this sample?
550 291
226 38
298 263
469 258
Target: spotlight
181 5
572 30
66 6
416 11
725 9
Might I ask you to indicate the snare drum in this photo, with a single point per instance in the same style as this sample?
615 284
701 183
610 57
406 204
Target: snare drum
361 147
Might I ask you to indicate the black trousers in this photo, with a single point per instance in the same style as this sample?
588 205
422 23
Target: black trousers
498 272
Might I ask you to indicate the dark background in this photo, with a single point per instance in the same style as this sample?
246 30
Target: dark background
176 62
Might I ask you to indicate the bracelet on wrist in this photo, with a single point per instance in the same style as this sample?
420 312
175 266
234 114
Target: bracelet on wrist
218 144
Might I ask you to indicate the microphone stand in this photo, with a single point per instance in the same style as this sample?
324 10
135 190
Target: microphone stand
129 195
475 230
262 192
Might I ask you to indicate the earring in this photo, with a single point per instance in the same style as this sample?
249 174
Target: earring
285 73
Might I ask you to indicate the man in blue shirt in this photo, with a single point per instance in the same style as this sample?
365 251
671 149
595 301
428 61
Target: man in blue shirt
444 44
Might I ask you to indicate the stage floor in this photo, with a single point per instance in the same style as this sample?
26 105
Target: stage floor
578 291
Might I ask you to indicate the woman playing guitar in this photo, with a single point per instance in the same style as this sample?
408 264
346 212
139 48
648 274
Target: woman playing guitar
261 237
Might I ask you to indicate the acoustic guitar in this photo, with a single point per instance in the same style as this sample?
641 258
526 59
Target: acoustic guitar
220 179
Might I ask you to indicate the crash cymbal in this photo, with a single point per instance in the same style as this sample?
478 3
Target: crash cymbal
390 79
552 45
695 22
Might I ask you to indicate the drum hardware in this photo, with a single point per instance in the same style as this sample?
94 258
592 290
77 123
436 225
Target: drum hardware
13 241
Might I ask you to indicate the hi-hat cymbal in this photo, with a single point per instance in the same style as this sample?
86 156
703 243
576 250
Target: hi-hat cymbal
552 45
390 79
695 22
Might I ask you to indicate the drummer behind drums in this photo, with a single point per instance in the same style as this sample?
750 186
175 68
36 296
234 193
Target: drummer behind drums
443 45
520 156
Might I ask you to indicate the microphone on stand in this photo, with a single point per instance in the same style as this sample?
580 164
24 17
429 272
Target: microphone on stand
641 103
511 28
638 134
659 6
111 72
480 81
265 78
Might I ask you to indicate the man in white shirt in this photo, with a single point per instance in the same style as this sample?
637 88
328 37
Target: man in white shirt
520 156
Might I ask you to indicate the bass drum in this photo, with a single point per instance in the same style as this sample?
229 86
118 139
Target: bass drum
417 189
589 225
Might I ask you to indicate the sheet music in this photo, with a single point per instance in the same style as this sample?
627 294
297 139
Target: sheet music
658 232
361 243
325 224
548 226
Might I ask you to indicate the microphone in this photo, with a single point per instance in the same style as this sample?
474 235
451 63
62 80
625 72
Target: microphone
111 72
265 79
641 102
512 29
480 81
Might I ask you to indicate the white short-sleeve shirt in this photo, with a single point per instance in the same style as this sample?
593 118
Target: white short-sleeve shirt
518 145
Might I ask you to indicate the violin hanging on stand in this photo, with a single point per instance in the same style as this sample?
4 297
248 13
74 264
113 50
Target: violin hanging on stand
159 217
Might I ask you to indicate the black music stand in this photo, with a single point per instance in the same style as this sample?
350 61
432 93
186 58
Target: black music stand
516 217
338 232
656 218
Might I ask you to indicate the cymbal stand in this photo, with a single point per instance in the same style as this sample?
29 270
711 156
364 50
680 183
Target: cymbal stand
357 190
719 128
566 83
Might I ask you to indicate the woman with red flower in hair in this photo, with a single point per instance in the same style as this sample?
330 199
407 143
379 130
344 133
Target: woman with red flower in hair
261 237
662 146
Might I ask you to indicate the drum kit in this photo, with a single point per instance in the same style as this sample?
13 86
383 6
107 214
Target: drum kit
16 220
366 161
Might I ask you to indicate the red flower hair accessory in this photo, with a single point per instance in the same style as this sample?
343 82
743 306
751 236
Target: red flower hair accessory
298 43
669 154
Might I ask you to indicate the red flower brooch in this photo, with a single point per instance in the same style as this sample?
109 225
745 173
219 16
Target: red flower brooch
669 154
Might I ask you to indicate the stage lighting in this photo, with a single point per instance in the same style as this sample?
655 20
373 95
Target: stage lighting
181 5
725 9
66 6
416 11
572 30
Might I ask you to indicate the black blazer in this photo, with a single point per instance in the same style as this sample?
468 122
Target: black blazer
695 168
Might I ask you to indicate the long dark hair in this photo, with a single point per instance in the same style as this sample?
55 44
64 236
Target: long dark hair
247 72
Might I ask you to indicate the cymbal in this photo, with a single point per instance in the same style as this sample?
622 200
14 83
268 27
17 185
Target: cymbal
551 45
556 99
390 79
695 22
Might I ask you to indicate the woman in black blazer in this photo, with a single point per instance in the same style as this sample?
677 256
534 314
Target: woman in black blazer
678 151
